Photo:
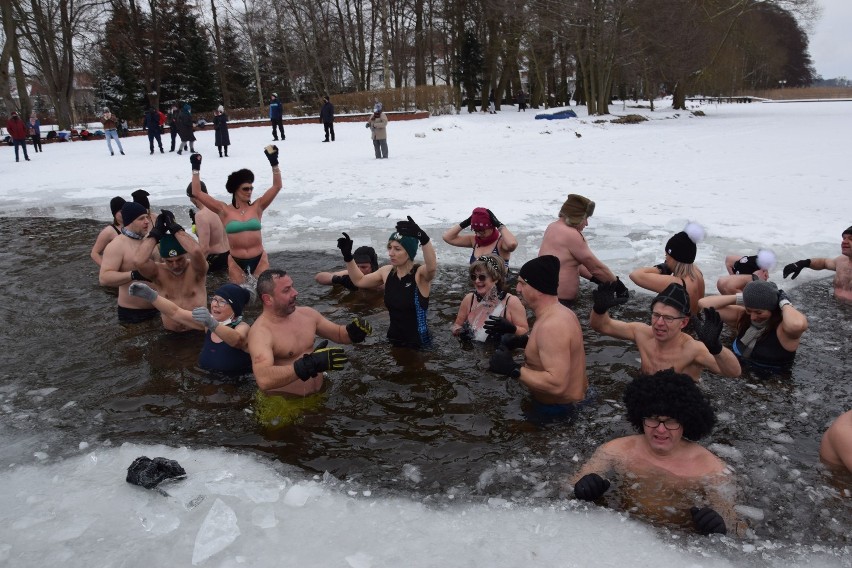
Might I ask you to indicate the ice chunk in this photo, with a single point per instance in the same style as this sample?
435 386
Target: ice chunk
359 560
299 494
263 516
412 473
217 532
774 425
749 512
727 452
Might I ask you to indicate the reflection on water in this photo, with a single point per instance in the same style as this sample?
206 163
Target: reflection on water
421 424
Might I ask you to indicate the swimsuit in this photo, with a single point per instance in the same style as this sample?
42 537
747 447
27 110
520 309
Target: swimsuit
767 352
241 226
223 358
481 313
136 315
495 252
407 308
541 414
217 262
116 229
248 264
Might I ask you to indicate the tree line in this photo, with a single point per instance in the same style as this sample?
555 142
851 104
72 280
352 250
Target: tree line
237 52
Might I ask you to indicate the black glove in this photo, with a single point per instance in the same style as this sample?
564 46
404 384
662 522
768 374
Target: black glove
466 332
501 362
271 152
590 487
344 243
137 276
195 160
192 215
161 227
663 268
621 290
344 281
606 297
358 330
322 359
465 224
595 280
795 267
708 328
410 229
169 220
707 521
494 220
496 326
512 341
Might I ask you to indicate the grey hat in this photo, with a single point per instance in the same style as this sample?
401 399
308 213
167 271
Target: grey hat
675 296
760 295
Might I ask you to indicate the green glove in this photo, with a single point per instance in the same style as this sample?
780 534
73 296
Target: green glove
358 330
322 359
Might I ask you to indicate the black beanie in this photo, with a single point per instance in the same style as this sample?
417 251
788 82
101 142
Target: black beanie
681 246
116 203
140 196
366 255
542 273
675 296
130 212
236 296
189 189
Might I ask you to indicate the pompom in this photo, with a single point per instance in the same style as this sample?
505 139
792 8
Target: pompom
766 259
695 232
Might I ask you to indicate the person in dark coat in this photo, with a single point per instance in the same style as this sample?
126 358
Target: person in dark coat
18 131
151 124
185 129
276 114
327 118
34 130
173 115
220 125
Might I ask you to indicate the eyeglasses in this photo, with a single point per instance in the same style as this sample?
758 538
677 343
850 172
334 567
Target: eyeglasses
219 301
668 319
478 277
669 423
249 188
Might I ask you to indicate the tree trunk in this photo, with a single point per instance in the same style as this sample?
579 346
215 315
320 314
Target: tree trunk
220 67
419 45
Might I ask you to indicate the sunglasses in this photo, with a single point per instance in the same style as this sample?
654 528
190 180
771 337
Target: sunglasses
478 277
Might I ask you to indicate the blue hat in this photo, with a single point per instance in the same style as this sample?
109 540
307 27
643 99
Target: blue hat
410 244
236 296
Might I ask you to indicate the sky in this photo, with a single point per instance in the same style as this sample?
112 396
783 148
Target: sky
754 175
830 48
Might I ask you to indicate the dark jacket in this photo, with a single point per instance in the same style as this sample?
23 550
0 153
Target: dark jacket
220 125
151 121
173 118
327 112
17 129
276 111
185 125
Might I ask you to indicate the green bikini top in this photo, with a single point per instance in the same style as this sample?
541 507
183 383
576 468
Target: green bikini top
240 226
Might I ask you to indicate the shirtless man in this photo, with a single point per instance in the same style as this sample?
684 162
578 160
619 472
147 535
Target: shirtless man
181 276
663 344
118 266
842 266
564 239
664 474
555 366
281 341
835 449
211 234
678 267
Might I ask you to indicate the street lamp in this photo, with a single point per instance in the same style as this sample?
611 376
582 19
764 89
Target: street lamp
781 83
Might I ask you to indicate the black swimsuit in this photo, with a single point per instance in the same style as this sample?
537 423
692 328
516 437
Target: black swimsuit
407 308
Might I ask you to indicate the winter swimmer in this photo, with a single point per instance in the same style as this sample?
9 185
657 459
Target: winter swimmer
210 232
489 311
365 258
835 449
490 236
663 344
241 218
662 473
109 232
181 274
554 368
407 285
564 239
745 269
281 341
678 267
225 347
767 325
841 265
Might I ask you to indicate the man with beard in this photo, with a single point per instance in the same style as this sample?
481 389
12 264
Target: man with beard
281 341
841 265
181 276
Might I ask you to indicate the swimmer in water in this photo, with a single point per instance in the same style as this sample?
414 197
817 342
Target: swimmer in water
841 265
835 450
241 217
745 269
490 236
662 472
109 232
365 258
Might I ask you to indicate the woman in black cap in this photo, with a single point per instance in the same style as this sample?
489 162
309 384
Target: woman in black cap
768 327
226 339
109 232
366 259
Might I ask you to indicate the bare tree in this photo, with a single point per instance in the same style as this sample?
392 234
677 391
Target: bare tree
11 52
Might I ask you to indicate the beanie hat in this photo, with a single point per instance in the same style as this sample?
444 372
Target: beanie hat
116 203
542 273
189 188
675 296
577 209
760 295
130 212
377 108
140 196
236 296
847 231
238 178
221 108
410 244
366 255
480 219
681 246
170 247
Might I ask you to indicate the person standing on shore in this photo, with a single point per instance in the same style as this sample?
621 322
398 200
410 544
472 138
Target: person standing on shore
185 129
110 123
34 130
220 125
173 124
276 114
18 132
327 118
378 125
151 123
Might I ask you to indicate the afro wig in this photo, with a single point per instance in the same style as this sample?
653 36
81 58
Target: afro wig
667 393
238 178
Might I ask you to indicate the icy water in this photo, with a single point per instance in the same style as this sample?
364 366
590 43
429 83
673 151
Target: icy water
432 426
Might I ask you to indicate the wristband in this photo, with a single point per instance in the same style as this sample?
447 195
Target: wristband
740 299
196 172
784 302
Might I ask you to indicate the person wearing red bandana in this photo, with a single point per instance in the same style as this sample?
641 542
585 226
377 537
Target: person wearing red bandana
490 236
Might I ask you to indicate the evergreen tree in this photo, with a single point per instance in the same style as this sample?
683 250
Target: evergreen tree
188 74
238 71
